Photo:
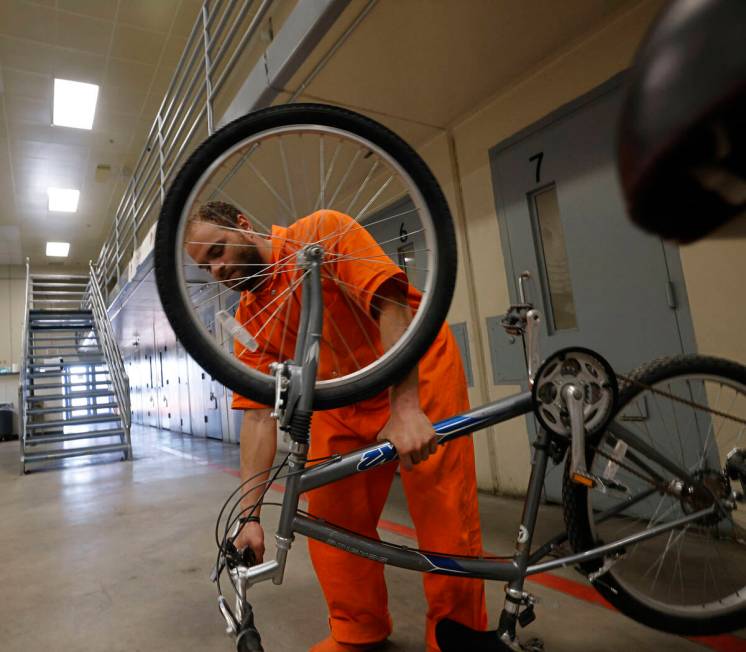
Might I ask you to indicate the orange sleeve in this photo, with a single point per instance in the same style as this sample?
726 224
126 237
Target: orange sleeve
362 265
239 402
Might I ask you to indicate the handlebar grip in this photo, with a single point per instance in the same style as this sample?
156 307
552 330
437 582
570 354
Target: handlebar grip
248 639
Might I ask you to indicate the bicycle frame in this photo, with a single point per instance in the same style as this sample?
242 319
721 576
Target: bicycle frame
514 570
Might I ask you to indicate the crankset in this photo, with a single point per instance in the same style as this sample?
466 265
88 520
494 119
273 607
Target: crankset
575 394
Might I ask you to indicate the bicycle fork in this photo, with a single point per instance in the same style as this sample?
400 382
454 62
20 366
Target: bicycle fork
518 608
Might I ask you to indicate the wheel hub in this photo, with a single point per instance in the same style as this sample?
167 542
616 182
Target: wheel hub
710 486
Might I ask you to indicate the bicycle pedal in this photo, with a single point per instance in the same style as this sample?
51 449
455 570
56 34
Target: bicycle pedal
584 479
605 485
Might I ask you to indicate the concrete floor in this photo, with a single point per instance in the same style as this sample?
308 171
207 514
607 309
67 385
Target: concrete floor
116 556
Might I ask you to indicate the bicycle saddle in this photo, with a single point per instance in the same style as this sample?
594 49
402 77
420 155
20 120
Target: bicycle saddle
682 132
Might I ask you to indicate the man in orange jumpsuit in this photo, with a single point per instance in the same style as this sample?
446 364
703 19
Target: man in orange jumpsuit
368 304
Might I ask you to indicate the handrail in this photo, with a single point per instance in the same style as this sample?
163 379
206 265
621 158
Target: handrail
188 104
22 388
94 300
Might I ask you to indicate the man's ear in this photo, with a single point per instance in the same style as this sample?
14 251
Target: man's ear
243 222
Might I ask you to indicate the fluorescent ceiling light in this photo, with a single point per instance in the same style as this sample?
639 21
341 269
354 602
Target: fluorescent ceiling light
74 104
63 200
58 249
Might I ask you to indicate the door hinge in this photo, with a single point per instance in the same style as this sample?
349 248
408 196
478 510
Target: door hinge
671 295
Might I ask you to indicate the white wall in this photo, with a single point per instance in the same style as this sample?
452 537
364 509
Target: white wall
12 290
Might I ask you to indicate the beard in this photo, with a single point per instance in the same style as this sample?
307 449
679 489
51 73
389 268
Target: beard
249 272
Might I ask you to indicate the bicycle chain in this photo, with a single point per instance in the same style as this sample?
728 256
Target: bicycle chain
685 401
629 469
634 381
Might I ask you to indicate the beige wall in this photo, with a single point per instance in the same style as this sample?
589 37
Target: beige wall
714 271
503 456
12 289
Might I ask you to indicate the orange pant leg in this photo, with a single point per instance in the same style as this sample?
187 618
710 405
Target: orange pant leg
442 499
353 586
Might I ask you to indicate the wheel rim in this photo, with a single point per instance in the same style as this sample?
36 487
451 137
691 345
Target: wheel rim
698 570
379 200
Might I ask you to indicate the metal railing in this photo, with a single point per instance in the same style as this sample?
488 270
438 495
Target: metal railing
94 300
23 385
220 36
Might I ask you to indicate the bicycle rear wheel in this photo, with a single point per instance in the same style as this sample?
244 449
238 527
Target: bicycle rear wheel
246 204
691 579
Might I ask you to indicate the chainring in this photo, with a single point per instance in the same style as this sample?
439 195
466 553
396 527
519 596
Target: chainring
585 369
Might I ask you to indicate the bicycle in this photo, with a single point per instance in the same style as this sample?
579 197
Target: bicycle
644 513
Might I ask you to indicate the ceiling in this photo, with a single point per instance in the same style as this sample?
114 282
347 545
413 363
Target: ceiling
130 49
416 65
419 66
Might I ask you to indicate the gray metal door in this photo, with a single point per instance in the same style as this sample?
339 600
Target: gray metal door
598 280
151 391
182 383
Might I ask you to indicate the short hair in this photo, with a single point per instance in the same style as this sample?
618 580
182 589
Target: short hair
220 213
217 212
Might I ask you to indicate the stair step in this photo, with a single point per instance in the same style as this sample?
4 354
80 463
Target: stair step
75 286
58 277
95 348
93 434
34 375
61 326
92 362
61 397
59 303
57 292
62 312
57 360
43 456
54 337
75 421
62 408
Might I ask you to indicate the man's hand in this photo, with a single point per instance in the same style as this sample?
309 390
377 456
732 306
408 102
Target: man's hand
251 536
411 433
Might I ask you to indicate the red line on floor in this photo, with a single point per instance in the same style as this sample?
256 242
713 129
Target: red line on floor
572 588
722 643
578 590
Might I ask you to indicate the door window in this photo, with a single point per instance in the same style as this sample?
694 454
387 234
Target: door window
552 257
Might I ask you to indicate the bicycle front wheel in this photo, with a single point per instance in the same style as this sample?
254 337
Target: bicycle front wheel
247 204
691 579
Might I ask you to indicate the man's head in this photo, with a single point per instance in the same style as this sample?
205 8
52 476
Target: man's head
222 241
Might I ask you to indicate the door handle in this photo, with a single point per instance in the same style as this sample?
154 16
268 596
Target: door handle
523 279
214 398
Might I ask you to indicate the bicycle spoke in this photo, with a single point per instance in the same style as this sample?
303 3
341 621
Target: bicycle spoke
697 421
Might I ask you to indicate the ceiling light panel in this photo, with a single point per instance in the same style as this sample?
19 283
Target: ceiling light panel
58 249
63 200
74 104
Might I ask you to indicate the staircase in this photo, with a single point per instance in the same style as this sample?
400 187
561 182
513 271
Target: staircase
74 393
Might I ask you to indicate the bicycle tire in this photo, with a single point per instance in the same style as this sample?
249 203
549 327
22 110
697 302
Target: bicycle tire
677 619
384 372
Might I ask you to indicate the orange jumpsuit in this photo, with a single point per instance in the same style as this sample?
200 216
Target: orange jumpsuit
441 492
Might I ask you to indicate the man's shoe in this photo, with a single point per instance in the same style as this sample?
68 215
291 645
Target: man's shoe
330 645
